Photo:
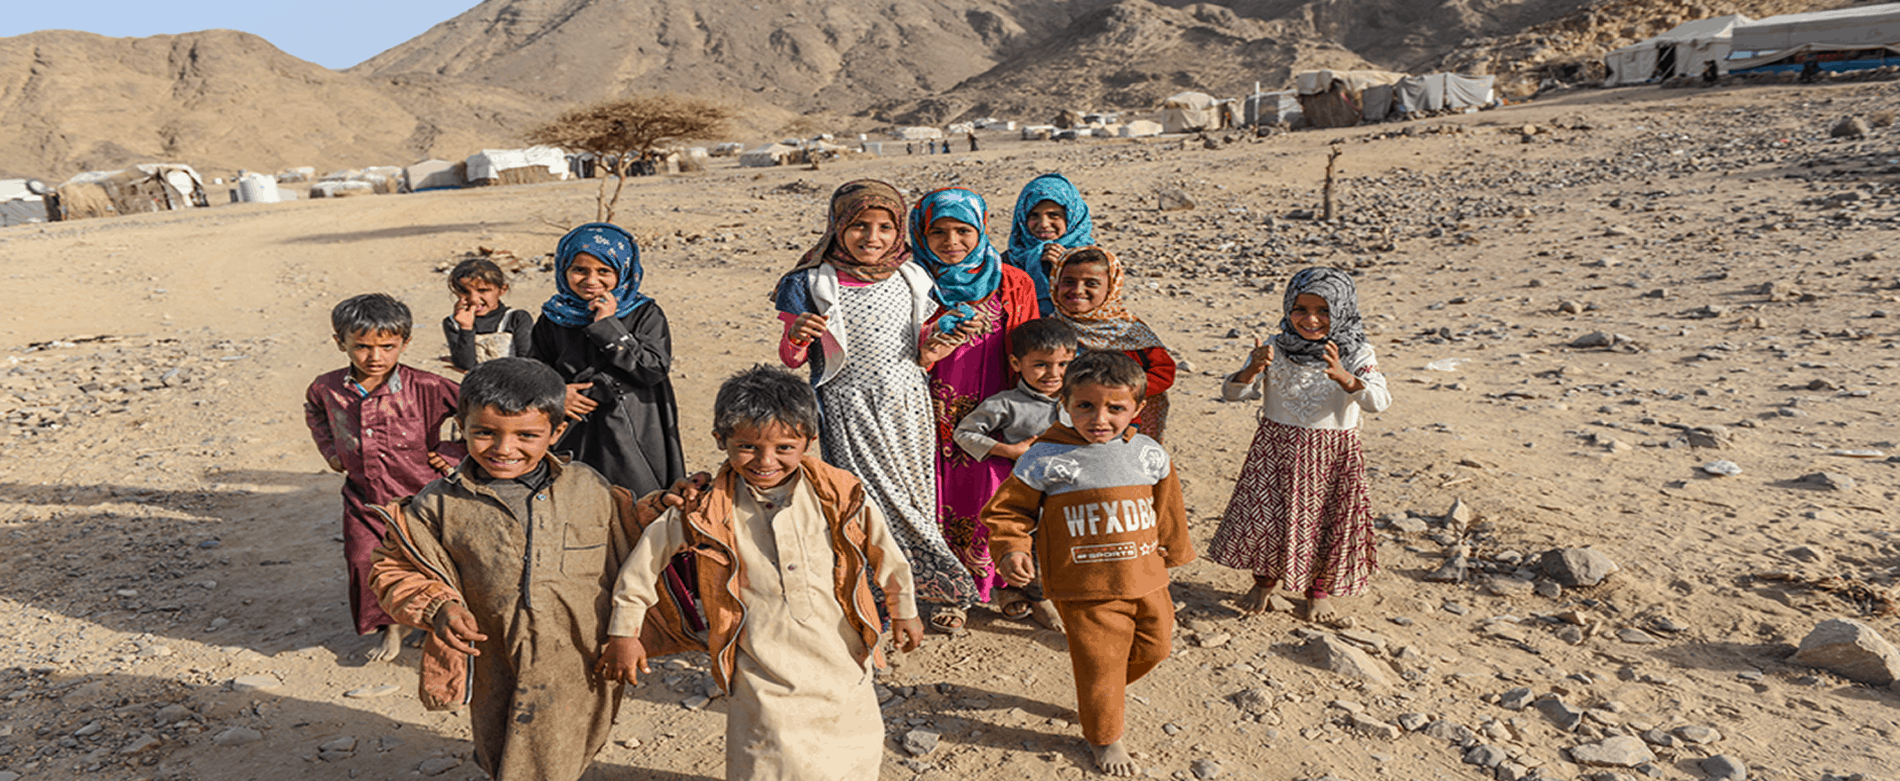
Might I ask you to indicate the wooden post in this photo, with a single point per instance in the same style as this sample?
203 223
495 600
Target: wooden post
1332 203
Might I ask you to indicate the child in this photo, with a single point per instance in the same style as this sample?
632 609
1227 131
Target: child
981 302
510 559
481 328
612 345
1001 428
860 299
1089 297
788 548
1103 508
1050 219
1299 517
380 424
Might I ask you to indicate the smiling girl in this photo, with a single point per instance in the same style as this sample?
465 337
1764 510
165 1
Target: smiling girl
1051 218
611 345
1088 296
980 301
857 297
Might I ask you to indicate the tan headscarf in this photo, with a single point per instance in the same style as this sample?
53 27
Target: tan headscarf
851 200
1108 326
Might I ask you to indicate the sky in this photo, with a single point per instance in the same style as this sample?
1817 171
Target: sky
332 33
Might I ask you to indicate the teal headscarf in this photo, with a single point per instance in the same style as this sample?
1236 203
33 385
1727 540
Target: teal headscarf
610 244
961 285
1025 250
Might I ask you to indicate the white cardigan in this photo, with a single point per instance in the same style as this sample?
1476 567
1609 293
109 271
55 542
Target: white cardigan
1300 395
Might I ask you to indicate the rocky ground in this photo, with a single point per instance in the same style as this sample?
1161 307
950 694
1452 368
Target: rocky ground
1650 330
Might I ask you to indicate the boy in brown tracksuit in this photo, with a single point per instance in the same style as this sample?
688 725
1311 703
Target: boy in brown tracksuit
1103 508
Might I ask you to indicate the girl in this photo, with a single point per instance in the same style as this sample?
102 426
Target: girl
1050 217
1299 516
1088 296
981 302
858 296
611 345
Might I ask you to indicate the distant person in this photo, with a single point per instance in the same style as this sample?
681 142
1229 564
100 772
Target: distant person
1810 71
482 328
972 137
509 562
1096 512
1088 296
795 629
611 344
1709 75
946 146
910 148
1050 219
380 424
1299 519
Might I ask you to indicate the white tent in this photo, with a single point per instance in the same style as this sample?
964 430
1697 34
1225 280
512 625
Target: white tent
1685 50
1271 108
1440 92
1871 27
489 165
917 133
18 204
767 156
433 175
1183 112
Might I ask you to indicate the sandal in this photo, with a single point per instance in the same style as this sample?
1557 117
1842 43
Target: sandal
948 620
1012 604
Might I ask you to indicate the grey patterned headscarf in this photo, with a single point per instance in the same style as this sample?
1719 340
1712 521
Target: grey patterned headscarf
1343 303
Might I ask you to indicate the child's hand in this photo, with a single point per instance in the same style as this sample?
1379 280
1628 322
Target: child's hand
456 628
807 327
578 404
907 633
1336 371
464 315
603 308
623 659
439 464
1051 253
1257 361
1017 568
655 504
1009 451
336 464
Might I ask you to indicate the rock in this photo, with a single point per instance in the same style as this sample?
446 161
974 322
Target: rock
1594 339
1375 727
1545 588
1698 733
368 692
1485 755
171 714
1253 702
1576 566
1344 658
1515 699
141 744
1215 640
1634 636
1511 771
1830 480
1560 713
1410 525
1656 737
1452 571
1507 587
1710 437
435 766
237 736
1173 199
696 702
346 743
1411 722
1850 127
1852 649
1723 767
919 742
1619 751
1721 468
246 683
8 775
1370 640
1205 769
1460 515
1449 731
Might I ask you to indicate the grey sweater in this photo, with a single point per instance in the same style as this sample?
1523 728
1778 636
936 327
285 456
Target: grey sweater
1008 417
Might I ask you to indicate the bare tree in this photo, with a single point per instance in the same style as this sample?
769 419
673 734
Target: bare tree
622 129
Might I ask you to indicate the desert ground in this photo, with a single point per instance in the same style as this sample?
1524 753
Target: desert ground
1579 302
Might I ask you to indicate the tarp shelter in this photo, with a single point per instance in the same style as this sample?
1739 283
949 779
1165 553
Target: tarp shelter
1825 56
434 175
258 188
1375 103
19 204
770 155
1871 27
1442 92
1185 112
1336 98
1271 108
516 166
146 187
917 133
1685 50
1140 128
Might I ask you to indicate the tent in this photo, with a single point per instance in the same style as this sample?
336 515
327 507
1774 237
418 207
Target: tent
769 155
146 187
1685 50
1336 98
1140 128
434 175
917 133
1375 103
1271 108
1871 27
19 204
1185 112
516 166
1442 92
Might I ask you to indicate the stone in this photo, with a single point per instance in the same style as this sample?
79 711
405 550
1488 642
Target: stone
1411 722
1634 636
1619 751
919 742
1656 737
1560 713
435 766
237 736
1449 731
172 714
1369 639
1698 733
346 743
368 692
1173 199
1830 480
1723 767
1507 587
1852 649
1205 769
1709 437
1375 727
1721 468
1511 771
1254 702
1215 640
1549 589
1459 515
1485 755
1453 570
1346 659
141 744
1850 127
696 702
8 775
1576 566
1515 699
1410 525
246 683
1594 339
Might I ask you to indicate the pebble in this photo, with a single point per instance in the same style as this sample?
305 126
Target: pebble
696 702
172 714
1635 636
1721 468
1253 702
1698 733
1723 767
1485 755
1515 699
1411 722
1375 727
1618 751
1346 659
435 766
1559 712
1830 480
1455 608
237 736
245 683
368 692
1453 570
1410 525
1449 731
141 744
1205 769
1548 589
919 742
1215 640
1576 566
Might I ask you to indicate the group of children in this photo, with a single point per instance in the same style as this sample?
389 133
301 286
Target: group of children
978 427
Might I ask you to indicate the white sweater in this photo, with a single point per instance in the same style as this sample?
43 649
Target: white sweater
1300 395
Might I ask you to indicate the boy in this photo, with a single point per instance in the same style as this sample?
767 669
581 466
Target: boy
786 546
482 328
509 559
1115 524
380 424
1005 425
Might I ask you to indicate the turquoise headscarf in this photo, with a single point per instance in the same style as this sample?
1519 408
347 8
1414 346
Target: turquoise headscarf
610 244
1025 250
959 286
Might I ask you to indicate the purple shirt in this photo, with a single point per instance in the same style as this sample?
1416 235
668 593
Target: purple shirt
383 439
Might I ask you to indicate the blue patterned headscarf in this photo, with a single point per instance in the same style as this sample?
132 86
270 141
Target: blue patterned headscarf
1342 304
960 286
610 244
1025 250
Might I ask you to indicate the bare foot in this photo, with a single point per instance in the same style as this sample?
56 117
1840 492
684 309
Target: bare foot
1261 599
1046 614
1322 611
1113 759
390 646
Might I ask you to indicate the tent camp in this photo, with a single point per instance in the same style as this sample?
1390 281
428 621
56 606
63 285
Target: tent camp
769 155
19 204
516 166
1336 98
146 187
1185 112
434 175
1838 40
1140 128
1271 108
1415 95
917 133
1685 50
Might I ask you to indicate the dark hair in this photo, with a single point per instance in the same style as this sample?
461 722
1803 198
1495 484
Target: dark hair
1107 369
512 386
478 269
1044 334
370 313
761 396
1085 255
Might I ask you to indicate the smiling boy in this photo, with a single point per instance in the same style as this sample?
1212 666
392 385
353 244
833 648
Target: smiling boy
1103 509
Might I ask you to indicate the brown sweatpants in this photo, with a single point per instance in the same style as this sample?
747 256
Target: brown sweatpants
1112 643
